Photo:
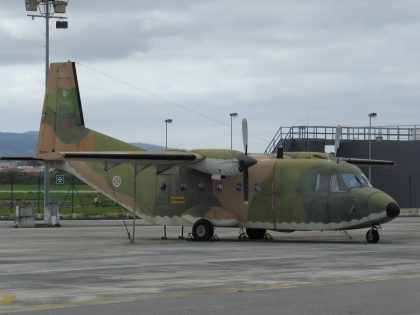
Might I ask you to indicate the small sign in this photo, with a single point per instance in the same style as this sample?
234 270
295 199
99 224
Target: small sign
59 179
116 181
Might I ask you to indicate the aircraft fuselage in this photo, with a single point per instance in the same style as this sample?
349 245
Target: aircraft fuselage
284 194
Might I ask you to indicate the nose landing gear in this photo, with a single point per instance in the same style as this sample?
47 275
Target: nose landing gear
372 236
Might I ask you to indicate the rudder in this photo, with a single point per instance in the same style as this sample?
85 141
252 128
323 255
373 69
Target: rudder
62 124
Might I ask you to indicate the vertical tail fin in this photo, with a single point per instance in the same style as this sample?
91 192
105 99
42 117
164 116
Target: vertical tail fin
62 124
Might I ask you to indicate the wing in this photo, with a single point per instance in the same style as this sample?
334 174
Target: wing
166 158
368 162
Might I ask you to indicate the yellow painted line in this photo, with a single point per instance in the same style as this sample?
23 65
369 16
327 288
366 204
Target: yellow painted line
204 291
297 284
177 198
6 298
177 202
64 305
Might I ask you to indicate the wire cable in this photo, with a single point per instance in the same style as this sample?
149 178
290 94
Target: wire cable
164 99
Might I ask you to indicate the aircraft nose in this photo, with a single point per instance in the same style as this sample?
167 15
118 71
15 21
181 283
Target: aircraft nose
392 210
380 202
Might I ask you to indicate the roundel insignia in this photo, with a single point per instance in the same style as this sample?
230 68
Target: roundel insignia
116 181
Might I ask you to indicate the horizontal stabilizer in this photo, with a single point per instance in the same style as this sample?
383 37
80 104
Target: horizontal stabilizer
19 158
368 162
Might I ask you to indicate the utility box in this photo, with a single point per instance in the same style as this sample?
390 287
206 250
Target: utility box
52 215
24 217
61 24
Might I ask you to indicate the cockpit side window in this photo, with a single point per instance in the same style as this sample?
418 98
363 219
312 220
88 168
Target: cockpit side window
322 182
336 185
329 182
365 180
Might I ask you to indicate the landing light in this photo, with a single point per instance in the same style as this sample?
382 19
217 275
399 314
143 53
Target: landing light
60 6
31 5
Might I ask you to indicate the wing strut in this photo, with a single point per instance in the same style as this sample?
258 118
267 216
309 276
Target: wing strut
136 170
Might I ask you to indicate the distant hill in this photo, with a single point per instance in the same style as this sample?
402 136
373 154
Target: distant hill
23 144
18 144
149 147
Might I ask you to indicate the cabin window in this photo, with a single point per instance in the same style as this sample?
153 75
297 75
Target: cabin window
322 182
238 186
219 187
202 186
183 187
257 187
163 186
336 185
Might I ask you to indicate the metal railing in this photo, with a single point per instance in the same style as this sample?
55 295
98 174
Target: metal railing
386 133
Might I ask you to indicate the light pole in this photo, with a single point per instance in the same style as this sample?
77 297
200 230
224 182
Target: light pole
371 115
47 10
167 121
231 118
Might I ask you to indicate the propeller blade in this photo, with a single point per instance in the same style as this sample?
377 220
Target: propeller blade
245 134
246 181
245 161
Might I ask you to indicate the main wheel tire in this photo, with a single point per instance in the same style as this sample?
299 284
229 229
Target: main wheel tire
202 230
372 236
256 234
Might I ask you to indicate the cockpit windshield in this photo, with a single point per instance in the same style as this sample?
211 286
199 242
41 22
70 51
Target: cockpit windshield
333 182
355 180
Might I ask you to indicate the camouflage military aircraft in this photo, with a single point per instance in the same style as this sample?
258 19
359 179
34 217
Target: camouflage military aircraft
210 188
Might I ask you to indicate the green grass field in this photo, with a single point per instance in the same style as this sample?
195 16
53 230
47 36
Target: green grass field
41 187
82 203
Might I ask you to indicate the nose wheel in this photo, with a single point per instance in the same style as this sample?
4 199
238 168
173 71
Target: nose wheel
372 236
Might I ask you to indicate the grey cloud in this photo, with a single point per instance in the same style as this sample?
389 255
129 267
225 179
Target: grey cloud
277 62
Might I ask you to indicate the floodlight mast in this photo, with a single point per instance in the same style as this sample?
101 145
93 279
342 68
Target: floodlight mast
47 10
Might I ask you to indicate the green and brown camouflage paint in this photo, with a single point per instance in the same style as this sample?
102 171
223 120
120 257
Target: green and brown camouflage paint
282 192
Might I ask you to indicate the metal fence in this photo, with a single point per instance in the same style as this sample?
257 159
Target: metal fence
386 133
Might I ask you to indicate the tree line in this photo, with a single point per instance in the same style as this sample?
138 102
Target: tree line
21 178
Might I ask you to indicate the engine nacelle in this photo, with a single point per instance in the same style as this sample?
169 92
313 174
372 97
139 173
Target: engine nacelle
213 166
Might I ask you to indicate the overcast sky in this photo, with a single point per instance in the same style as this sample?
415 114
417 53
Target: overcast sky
277 63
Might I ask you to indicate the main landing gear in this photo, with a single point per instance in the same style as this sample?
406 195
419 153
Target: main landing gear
202 230
372 236
254 234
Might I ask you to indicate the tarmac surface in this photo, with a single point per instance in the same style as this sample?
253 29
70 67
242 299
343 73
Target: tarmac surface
89 267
